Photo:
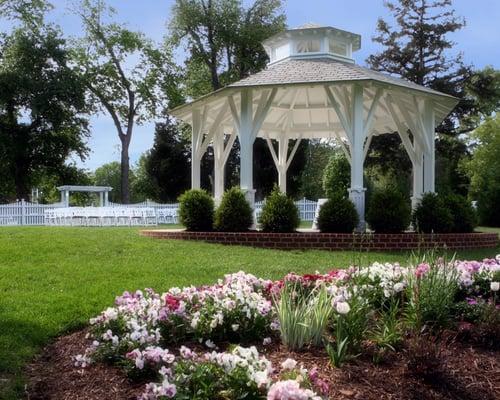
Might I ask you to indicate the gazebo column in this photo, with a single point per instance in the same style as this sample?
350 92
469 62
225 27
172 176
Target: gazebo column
101 199
357 190
221 154
218 166
429 155
196 138
106 198
282 160
246 145
418 175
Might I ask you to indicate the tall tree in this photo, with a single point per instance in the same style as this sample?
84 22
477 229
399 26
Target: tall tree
42 105
127 75
224 40
167 164
417 47
223 37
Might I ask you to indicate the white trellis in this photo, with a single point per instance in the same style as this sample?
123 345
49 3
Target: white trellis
306 93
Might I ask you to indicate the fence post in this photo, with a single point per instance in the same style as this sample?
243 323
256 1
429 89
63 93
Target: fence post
23 212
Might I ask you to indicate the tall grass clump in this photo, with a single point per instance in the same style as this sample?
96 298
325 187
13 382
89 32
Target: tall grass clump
303 315
431 292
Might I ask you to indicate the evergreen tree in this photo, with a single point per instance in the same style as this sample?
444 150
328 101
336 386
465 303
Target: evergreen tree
417 47
168 162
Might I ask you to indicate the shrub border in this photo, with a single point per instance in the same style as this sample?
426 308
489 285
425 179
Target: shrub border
335 241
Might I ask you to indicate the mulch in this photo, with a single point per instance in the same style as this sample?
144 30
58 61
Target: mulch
467 372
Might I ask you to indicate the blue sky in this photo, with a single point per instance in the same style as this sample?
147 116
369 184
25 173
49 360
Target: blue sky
478 41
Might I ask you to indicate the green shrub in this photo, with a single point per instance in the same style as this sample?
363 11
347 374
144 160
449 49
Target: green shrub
432 215
234 214
279 213
196 210
337 176
338 214
388 211
462 212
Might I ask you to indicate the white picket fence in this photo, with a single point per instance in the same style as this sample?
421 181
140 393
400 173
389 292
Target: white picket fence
26 213
307 209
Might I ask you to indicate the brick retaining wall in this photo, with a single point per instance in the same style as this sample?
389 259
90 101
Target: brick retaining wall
335 241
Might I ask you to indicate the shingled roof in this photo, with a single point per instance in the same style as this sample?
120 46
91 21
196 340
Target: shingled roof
322 70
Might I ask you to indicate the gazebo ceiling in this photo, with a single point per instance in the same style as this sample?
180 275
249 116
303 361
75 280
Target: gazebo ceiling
302 107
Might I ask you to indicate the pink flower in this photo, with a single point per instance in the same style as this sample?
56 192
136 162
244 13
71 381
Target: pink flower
422 269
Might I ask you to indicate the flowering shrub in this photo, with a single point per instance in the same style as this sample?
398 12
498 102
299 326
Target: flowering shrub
343 308
240 373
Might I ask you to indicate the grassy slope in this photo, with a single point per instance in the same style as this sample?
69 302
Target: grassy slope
53 279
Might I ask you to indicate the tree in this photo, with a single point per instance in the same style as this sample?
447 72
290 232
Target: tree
223 38
318 154
109 174
417 48
168 162
127 75
337 176
484 172
42 105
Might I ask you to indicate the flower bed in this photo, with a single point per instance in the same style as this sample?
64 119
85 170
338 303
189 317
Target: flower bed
227 341
334 241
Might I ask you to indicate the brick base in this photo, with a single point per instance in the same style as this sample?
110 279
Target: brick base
335 241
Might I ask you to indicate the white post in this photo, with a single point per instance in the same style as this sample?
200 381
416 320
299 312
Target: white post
418 178
106 198
282 162
195 144
219 163
66 198
429 156
246 146
101 199
357 191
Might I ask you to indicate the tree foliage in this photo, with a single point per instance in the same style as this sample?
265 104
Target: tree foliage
42 106
127 75
337 176
484 172
168 162
224 38
417 47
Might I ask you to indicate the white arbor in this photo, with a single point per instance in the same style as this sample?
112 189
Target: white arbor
313 89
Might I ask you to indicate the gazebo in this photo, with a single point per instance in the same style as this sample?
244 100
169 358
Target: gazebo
312 89
103 192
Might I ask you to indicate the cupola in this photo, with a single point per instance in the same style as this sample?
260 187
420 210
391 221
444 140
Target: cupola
312 41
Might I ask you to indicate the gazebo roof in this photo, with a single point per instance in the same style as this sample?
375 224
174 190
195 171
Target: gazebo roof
308 87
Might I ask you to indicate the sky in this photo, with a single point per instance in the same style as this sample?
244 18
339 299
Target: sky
478 41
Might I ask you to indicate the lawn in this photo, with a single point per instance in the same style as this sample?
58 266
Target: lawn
53 279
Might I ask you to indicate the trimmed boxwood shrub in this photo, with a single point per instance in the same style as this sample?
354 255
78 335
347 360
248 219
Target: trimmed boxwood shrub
234 213
462 212
279 213
338 215
337 175
196 210
388 211
432 215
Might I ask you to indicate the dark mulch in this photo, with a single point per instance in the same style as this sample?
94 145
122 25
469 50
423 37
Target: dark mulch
466 372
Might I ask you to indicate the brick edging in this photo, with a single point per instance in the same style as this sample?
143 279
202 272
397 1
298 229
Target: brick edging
335 241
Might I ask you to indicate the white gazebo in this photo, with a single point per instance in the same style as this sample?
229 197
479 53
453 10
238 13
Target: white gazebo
312 89
103 192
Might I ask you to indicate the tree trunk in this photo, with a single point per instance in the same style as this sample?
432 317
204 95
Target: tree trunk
125 171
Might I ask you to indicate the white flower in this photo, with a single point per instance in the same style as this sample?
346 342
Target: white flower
289 364
495 286
398 287
267 341
342 307
210 344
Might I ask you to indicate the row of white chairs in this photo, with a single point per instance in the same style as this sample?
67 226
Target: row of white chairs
100 216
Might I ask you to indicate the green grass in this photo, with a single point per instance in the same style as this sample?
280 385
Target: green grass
52 280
